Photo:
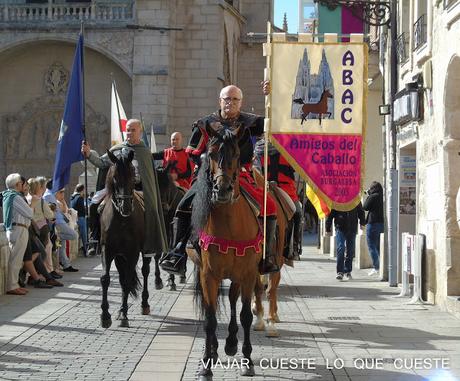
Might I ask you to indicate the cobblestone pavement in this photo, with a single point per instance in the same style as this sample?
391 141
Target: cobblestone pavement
329 331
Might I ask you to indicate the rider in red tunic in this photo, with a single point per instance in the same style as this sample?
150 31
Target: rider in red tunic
177 161
231 117
280 171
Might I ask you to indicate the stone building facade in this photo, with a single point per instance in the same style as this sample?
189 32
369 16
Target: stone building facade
428 64
169 59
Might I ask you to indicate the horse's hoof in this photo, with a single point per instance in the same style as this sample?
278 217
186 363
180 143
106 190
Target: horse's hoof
271 330
276 318
145 310
183 279
172 287
259 325
230 350
159 285
124 323
106 323
248 371
205 375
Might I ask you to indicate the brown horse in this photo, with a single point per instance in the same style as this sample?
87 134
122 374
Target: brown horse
273 278
230 241
319 108
122 235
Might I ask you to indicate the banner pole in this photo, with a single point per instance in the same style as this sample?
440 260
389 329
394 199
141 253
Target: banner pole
266 136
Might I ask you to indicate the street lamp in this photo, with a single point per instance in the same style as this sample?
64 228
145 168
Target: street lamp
383 13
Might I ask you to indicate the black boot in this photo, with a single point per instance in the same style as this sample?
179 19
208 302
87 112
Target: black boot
269 264
298 229
288 253
175 260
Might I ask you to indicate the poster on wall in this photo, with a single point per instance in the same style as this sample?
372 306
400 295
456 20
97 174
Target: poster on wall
318 116
407 184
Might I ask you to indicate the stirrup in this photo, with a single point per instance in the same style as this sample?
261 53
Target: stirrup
178 267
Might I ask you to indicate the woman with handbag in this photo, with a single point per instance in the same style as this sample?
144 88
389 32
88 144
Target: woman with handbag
42 215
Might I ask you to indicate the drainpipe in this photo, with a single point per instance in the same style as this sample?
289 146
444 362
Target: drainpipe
392 204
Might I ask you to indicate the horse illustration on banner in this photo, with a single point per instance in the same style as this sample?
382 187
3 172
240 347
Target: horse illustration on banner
320 108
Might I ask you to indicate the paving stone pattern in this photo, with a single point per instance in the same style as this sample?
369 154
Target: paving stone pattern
55 334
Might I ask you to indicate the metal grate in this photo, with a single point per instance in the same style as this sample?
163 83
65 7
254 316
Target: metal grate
344 318
401 44
315 296
420 34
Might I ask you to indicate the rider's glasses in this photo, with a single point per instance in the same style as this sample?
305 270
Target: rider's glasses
228 100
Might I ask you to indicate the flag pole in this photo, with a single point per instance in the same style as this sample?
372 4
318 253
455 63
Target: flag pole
84 131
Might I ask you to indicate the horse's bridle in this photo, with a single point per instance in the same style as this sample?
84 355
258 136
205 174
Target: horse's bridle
231 180
119 199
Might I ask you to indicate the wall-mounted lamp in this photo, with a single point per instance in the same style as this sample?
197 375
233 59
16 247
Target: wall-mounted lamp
384 110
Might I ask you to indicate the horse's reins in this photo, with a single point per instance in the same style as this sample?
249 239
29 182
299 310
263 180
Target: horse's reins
118 199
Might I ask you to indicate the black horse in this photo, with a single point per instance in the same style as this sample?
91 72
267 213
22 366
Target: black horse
171 195
122 235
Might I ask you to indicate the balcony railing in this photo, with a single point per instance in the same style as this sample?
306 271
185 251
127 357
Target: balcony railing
420 34
69 12
401 50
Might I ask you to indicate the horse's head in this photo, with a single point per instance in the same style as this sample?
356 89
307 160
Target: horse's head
224 161
120 183
327 93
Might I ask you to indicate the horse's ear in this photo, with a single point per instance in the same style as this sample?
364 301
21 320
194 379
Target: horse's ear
112 157
210 130
130 156
239 132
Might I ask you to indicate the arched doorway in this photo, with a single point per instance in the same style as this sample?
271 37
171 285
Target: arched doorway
451 175
34 79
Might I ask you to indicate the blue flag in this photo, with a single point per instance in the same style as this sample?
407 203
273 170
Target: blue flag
71 132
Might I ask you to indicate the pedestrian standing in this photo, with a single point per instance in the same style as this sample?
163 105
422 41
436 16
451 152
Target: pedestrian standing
77 202
374 220
346 228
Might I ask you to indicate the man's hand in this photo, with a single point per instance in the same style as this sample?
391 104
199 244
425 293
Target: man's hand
265 87
85 149
174 176
362 227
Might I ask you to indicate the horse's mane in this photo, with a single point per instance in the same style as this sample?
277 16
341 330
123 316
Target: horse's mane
202 204
202 201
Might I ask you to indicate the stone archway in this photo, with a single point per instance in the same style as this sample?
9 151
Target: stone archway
451 174
34 79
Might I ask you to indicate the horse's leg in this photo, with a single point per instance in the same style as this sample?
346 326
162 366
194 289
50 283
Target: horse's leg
158 280
123 267
106 319
272 296
257 306
145 290
231 343
210 287
183 278
171 283
247 368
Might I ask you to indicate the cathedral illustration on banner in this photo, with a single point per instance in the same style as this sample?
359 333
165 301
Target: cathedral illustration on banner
313 93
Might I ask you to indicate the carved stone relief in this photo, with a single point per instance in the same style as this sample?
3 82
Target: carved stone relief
120 44
56 79
32 134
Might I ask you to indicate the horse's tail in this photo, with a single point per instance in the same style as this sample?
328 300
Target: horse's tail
198 297
129 280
